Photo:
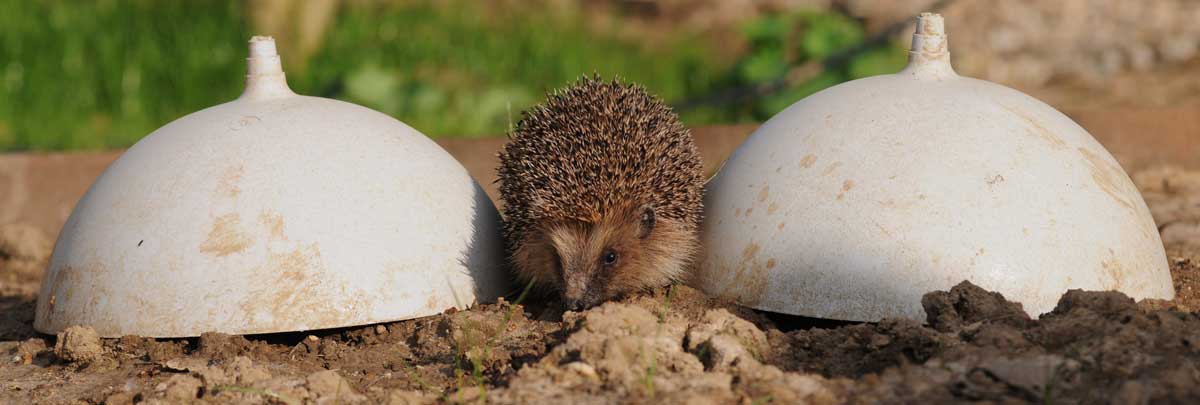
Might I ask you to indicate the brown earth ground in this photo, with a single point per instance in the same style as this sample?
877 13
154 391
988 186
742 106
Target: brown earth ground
671 346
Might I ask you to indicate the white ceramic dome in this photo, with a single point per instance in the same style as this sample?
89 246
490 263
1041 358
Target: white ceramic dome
854 202
273 212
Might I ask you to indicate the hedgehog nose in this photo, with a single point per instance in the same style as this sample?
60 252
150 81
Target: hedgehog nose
573 305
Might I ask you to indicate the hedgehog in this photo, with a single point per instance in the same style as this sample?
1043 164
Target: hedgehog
602 191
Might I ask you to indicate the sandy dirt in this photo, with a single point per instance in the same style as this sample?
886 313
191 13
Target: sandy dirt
673 345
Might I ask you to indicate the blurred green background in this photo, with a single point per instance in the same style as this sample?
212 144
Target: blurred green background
102 74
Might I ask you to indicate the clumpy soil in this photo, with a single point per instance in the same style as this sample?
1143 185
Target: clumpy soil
672 345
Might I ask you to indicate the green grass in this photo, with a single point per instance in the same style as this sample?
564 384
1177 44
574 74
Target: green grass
102 74
781 41
452 70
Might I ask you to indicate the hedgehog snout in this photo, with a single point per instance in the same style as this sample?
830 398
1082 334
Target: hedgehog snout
573 305
579 304
576 290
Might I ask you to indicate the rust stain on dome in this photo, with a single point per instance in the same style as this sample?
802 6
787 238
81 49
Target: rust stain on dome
808 160
226 237
1037 129
227 185
1108 177
751 279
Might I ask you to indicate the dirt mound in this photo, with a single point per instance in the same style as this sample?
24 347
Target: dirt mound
423 359
1093 347
664 347
626 352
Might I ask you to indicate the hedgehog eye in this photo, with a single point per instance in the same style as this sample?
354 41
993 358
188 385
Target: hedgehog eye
609 258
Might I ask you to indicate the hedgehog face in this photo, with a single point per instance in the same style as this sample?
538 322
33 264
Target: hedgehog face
622 252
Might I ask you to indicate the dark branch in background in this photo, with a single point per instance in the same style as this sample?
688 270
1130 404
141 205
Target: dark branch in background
804 72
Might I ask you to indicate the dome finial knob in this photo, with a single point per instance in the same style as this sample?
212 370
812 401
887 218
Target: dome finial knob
930 52
264 71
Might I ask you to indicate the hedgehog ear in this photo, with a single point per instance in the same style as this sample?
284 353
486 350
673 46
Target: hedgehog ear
646 222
